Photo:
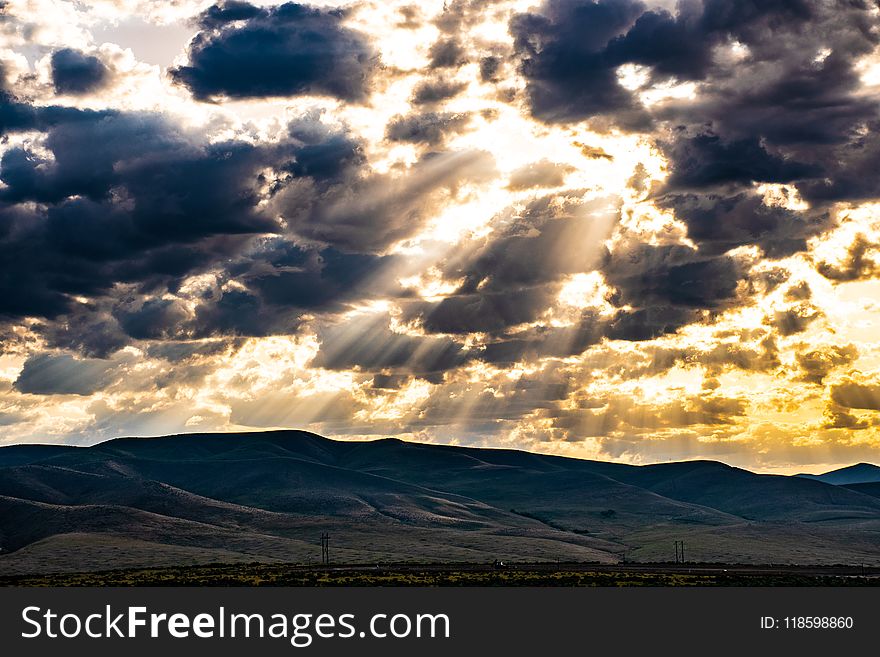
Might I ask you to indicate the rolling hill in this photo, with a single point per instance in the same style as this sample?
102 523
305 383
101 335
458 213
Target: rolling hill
268 497
860 473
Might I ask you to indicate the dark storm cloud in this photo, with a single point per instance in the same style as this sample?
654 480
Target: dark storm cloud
277 281
310 279
649 323
122 197
284 280
154 320
484 311
227 12
671 275
62 374
570 49
74 72
786 111
327 158
665 287
718 222
430 128
705 160
563 59
288 50
176 352
244 313
390 381
121 207
673 45
854 171
681 45
88 329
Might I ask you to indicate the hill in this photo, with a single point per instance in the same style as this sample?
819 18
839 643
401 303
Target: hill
268 497
860 473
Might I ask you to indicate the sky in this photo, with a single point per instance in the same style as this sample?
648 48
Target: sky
619 230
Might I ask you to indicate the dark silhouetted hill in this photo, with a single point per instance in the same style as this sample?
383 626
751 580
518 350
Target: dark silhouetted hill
860 473
269 496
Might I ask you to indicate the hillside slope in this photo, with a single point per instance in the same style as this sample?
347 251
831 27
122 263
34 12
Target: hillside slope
269 496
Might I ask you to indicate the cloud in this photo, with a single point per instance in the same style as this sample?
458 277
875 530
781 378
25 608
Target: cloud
539 174
674 46
490 65
675 275
118 197
512 276
289 50
857 265
430 92
430 128
719 222
447 53
266 290
705 160
131 201
852 170
74 72
819 363
369 213
836 417
535 343
793 320
618 415
851 394
62 374
369 344
562 58
365 266
488 311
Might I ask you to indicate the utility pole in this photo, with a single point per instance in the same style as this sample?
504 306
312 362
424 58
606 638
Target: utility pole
325 548
679 551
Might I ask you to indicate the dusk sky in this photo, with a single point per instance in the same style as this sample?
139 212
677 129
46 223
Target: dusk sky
617 230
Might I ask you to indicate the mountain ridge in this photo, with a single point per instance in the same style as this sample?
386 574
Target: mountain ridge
267 496
858 473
